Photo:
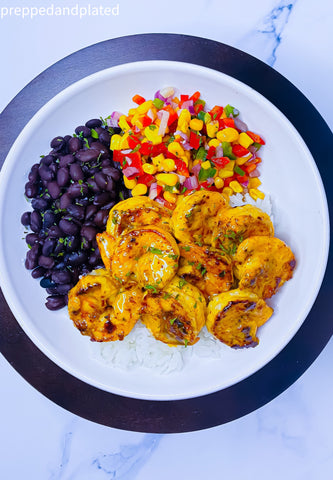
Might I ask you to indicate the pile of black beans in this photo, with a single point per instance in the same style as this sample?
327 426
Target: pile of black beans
72 190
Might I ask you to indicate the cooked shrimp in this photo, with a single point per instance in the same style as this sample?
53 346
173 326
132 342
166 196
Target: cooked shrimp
176 314
147 255
234 317
137 212
263 265
236 224
205 267
194 218
98 309
105 242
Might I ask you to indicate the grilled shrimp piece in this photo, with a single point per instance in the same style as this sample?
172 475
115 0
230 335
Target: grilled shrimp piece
263 265
147 255
236 224
194 218
105 242
137 212
205 267
234 317
99 310
176 314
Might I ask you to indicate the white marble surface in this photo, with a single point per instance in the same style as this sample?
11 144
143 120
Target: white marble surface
291 437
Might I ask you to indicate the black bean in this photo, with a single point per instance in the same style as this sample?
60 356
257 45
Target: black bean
76 172
101 180
74 144
62 176
93 185
111 172
68 227
101 218
59 247
76 258
46 262
94 258
48 219
102 198
48 246
55 302
25 219
85 244
57 143
110 185
47 282
31 189
90 211
65 200
93 123
67 138
87 155
38 272
77 189
61 276
88 232
31 260
35 221
76 211
108 205
105 138
60 289
40 203
47 160
31 238
66 160
102 150
72 243
54 189
55 231
33 175
83 130
45 173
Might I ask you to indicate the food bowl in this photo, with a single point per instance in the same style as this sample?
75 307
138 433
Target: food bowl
290 180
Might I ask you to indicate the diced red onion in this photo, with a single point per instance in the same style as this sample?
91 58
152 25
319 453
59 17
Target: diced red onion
167 92
153 191
181 178
252 149
219 151
186 146
196 169
240 125
164 122
210 181
181 134
125 152
150 114
159 96
191 182
129 171
113 120
254 173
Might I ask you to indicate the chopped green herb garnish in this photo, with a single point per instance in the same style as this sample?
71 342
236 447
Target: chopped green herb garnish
94 134
151 287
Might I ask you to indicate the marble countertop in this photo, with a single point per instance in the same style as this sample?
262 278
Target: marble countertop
290 437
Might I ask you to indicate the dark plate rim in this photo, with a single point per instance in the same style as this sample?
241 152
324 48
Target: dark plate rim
251 393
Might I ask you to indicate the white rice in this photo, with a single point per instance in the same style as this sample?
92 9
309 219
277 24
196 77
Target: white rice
139 349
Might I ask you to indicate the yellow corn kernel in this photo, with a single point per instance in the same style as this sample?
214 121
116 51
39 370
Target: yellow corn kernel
212 128
227 191
179 199
170 179
214 142
115 142
255 193
123 123
124 141
149 168
144 107
230 165
254 182
152 135
196 161
139 189
244 140
236 186
158 159
168 165
219 183
227 135
176 149
129 183
196 124
242 160
206 165
170 197
225 173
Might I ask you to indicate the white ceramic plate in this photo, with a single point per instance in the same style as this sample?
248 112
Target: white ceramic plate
289 176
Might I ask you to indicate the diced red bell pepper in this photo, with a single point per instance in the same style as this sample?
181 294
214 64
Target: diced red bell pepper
195 96
242 179
133 141
198 107
239 150
211 152
138 99
183 98
146 148
135 162
117 156
216 112
158 149
256 138
194 140
146 121
220 162
181 167
172 114
229 122
146 179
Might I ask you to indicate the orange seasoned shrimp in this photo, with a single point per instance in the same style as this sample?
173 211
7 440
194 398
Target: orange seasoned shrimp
194 218
205 267
233 317
176 314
